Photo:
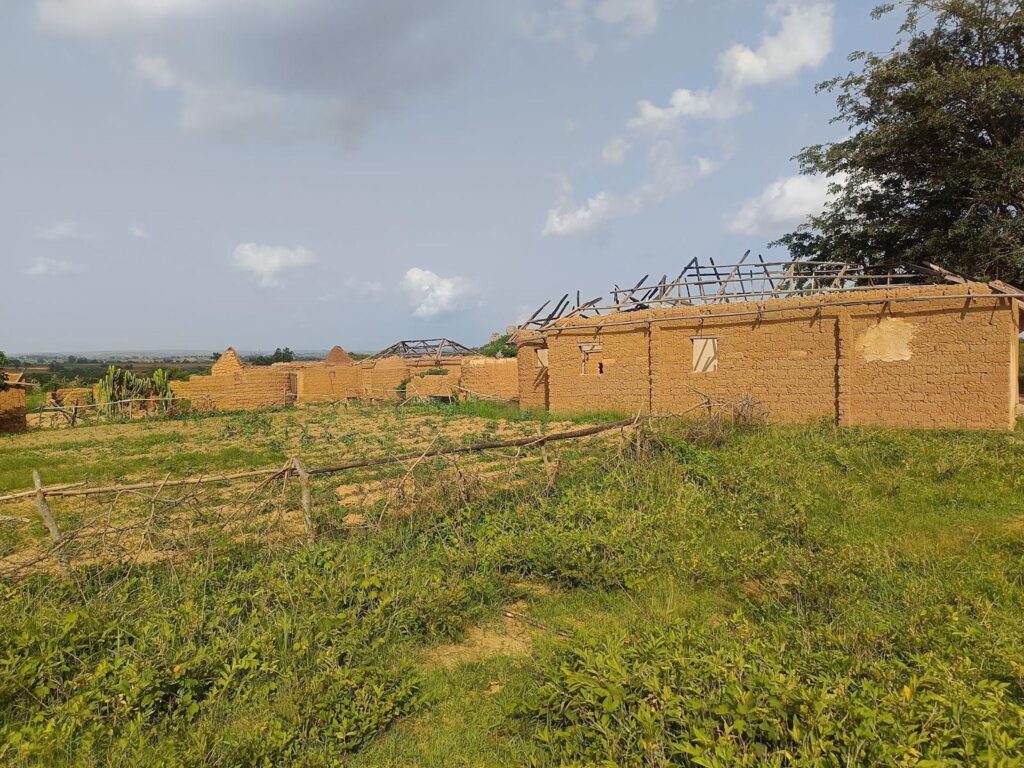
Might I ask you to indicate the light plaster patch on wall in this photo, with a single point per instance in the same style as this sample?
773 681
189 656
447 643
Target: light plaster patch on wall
887 341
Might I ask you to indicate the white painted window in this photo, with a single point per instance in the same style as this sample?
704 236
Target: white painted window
705 354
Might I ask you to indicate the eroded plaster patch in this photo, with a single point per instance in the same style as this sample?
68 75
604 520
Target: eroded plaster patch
887 341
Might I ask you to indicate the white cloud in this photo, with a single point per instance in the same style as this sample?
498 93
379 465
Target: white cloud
800 37
666 175
156 70
682 104
614 152
803 40
566 218
431 294
266 262
783 204
367 288
639 17
44 265
62 230
281 68
573 23
139 232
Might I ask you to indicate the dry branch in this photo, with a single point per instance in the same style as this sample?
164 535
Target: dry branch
51 524
329 470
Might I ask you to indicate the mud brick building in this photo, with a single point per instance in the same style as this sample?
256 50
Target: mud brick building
422 368
438 368
12 404
905 346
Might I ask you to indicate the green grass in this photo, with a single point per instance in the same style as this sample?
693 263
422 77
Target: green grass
35 399
773 596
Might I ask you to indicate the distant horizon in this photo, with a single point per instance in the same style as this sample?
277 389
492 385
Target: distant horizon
124 354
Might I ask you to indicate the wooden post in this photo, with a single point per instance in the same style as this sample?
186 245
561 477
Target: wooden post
307 500
51 525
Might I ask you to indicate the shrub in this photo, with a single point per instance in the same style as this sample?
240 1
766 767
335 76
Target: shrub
694 695
500 347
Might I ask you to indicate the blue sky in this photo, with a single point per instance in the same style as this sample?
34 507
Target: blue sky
199 173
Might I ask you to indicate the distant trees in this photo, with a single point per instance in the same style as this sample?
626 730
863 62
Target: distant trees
933 166
280 356
498 347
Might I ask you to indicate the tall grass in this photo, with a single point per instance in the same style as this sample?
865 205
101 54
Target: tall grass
767 596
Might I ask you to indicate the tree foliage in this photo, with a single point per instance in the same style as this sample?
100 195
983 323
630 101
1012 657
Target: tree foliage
499 347
933 166
280 356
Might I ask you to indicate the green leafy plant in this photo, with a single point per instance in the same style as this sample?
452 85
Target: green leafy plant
119 386
500 347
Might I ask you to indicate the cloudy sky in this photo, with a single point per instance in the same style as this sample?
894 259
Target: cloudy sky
198 173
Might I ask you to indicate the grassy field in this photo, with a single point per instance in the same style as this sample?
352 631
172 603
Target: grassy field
681 595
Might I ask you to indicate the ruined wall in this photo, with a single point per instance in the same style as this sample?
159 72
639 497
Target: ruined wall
232 385
465 377
328 383
434 385
532 372
787 362
382 378
493 378
227 363
933 362
12 410
242 389
74 396
617 377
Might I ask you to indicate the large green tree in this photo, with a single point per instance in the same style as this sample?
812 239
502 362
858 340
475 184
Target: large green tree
933 166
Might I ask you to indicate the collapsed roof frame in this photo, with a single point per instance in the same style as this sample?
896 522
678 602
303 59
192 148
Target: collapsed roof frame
417 348
745 281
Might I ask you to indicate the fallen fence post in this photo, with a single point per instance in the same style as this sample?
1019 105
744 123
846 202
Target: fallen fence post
307 499
520 442
51 524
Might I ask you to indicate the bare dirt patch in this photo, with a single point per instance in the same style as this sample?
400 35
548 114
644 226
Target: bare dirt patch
507 637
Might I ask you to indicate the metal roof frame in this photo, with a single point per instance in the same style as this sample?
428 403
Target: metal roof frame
747 280
437 349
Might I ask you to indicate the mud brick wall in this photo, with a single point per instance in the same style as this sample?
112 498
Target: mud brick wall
245 388
74 396
328 383
941 364
382 378
434 385
420 365
12 410
787 362
533 377
227 363
625 384
490 377
932 362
